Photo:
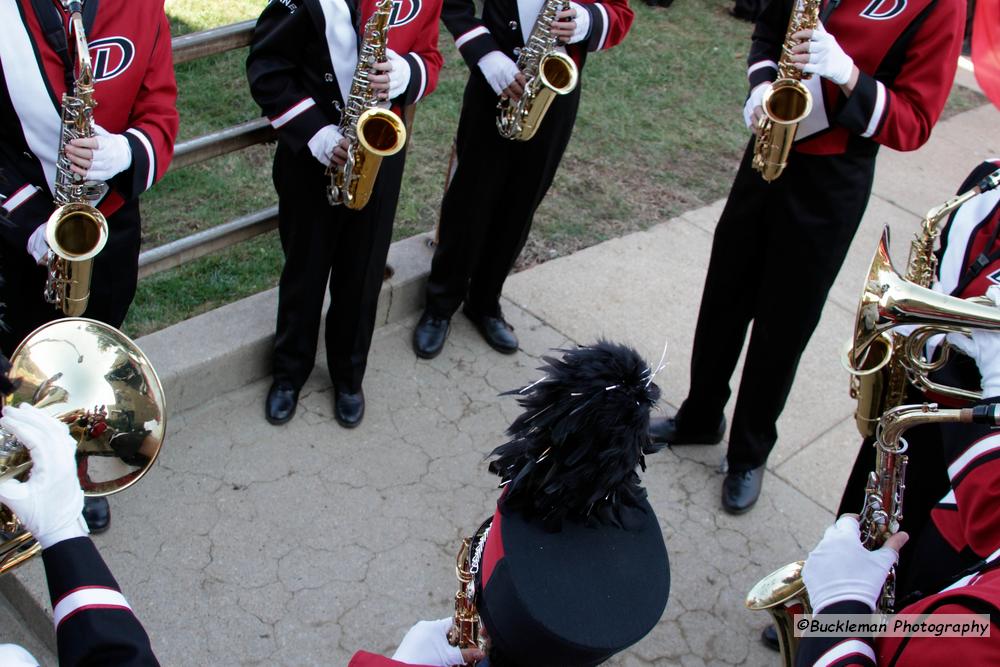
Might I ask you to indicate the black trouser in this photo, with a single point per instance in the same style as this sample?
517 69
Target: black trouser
777 250
489 205
112 286
335 246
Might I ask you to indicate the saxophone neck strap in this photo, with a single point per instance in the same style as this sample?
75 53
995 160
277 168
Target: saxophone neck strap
53 24
828 9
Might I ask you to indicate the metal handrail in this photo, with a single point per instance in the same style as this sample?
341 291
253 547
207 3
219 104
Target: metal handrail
200 149
231 139
207 241
210 42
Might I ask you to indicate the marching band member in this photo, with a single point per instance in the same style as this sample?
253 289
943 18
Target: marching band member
94 622
956 563
573 568
136 124
882 72
300 68
491 200
968 264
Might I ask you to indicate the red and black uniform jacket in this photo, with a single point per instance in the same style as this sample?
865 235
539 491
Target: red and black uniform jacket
907 52
969 256
94 623
960 551
499 28
293 66
135 92
968 264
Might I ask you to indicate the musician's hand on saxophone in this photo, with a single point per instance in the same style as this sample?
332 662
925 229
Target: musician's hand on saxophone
329 146
819 53
391 77
571 25
426 643
38 247
840 568
101 157
502 74
753 110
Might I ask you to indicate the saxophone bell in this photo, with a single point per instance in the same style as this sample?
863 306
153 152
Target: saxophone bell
788 102
76 233
549 72
782 594
785 105
372 131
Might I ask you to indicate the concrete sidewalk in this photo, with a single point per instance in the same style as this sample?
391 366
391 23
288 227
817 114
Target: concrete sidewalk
250 544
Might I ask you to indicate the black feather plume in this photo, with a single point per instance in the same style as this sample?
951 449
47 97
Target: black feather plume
584 430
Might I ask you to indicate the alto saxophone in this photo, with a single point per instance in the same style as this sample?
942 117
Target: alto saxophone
465 626
788 102
76 232
881 367
783 593
372 131
548 72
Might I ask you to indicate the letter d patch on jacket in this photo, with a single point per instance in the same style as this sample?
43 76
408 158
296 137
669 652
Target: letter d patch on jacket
403 11
883 10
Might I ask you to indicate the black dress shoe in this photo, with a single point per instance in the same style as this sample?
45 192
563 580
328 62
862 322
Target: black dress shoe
281 401
769 637
429 335
668 430
495 330
97 514
741 489
348 408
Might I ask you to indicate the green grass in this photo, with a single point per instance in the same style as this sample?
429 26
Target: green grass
659 132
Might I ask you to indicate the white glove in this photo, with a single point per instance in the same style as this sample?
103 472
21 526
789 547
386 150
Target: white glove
38 247
984 347
50 503
426 643
582 19
498 69
755 100
112 156
827 59
323 142
840 568
399 75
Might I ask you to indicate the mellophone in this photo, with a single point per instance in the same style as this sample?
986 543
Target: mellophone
882 361
97 381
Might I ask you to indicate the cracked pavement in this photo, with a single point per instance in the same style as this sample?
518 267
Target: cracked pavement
249 544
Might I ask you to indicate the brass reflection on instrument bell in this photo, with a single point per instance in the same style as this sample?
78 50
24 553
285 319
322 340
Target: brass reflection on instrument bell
82 373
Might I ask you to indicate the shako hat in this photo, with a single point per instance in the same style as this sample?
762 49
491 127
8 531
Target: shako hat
574 568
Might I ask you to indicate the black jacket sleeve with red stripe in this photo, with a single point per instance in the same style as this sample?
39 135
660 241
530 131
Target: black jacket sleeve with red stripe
94 624
498 30
279 82
768 36
837 651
